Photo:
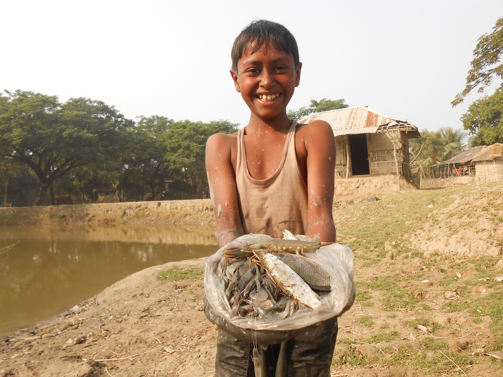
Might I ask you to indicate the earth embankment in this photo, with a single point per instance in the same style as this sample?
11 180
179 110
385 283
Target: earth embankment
194 212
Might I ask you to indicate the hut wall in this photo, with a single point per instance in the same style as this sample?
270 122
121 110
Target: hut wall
488 171
381 152
106 197
404 152
341 157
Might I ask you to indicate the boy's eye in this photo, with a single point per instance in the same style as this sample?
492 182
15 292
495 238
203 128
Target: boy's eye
280 68
254 71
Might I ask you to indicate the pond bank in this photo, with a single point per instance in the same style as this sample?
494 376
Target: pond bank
199 211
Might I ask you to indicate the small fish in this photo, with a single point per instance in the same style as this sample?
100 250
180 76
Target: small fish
288 281
287 235
309 270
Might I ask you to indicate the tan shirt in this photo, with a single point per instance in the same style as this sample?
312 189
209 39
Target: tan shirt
267 206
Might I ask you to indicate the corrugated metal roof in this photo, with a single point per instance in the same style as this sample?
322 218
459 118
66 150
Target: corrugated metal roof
463 157
492 152
357 120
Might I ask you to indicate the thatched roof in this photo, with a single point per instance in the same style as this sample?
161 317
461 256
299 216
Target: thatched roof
463 157
103 187
492 152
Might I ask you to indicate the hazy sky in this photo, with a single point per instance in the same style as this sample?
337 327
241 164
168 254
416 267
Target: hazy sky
404 59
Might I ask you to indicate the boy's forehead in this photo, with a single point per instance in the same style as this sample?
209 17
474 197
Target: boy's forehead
264 49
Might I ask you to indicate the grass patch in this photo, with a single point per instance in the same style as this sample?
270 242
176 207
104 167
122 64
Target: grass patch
382 337
484 266
346 341
351 357
394 295
489 305
429 356
431 326
366 321
363 296
177 273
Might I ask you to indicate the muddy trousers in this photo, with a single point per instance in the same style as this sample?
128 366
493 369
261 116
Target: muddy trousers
308 354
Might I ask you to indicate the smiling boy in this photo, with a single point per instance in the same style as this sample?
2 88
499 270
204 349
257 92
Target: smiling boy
273 174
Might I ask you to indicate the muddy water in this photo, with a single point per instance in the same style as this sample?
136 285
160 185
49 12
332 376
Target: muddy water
50 270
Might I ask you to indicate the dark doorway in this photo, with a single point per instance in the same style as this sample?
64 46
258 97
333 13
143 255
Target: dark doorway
359 154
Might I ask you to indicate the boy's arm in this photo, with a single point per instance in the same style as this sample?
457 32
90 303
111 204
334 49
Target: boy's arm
222 185
320 147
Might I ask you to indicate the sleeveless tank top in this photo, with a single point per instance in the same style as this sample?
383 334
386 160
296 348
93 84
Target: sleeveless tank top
267 206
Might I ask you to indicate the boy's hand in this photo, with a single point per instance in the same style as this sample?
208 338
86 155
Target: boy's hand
220 153
319 144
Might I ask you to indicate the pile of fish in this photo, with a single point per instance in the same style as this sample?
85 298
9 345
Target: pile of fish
272 280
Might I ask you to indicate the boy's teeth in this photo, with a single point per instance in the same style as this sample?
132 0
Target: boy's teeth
268 97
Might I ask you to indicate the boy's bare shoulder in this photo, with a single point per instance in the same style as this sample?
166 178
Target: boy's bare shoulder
221 145
222 140
316 130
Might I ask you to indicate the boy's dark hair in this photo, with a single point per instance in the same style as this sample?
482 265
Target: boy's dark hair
262 33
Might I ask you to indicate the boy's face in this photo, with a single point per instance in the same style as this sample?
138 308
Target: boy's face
266 81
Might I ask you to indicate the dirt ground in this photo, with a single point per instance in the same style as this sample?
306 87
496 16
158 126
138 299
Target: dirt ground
427 265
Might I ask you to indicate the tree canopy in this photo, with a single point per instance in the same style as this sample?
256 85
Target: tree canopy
51 138
483 117
75 147
485 64
323 104
483 120
186 143
435 147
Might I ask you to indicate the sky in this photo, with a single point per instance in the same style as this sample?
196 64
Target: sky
404 59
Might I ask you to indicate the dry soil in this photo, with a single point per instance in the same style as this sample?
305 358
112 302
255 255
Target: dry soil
427 266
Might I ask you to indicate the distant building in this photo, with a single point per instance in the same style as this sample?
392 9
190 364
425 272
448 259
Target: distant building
475 165
489 164
368 143
104 193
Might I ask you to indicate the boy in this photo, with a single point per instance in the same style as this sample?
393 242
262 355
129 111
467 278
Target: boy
272 175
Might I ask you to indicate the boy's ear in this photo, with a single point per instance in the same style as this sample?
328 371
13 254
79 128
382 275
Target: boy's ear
235 79
297 74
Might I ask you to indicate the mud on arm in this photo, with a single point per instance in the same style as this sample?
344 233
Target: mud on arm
320 163
222 186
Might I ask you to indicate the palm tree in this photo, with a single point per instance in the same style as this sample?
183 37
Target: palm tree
452 142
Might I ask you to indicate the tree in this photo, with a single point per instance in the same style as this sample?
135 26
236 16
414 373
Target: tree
484 66
452 142
148 159
53 138
483 118
186 143
323 104
435 147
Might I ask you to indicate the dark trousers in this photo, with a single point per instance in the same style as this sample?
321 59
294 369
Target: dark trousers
308 354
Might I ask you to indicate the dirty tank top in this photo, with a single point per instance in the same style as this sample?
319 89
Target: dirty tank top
267 206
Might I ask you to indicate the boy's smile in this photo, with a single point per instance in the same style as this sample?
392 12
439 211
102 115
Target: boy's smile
266 80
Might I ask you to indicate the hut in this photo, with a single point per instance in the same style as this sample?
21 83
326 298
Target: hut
475 165
489 164
459 165
368 143
104 193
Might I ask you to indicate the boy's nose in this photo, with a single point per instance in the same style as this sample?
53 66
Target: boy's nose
266 79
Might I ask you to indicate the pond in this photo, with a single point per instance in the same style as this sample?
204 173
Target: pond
49 270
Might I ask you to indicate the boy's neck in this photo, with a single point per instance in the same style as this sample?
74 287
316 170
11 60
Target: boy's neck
280 124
